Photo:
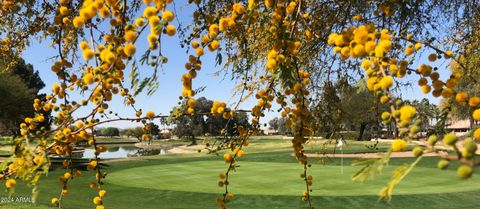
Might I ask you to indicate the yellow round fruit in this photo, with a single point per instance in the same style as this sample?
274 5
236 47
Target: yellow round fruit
385 116
464 171
170 30
474 101
443 164
97 200
476 115
386 82
227 157
417 151
426 89
450 139
407 112
10 183
78 22
432 139
168 15
461 97
88 54
54 201
150 115
102 193
130 49
476 134
470 145
399 145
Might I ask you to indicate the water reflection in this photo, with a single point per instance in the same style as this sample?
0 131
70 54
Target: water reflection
121 152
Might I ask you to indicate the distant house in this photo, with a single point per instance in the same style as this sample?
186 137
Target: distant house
457 125
90 132
269 132
166 131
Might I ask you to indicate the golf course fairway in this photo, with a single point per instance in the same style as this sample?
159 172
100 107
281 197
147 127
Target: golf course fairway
271 178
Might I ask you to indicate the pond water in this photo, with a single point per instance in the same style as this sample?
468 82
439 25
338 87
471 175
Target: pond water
122 151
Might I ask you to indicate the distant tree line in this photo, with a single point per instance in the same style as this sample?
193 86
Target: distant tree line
18 88
109 132
347 108
186 126
278 125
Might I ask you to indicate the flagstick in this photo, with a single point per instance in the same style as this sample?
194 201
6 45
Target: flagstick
341 159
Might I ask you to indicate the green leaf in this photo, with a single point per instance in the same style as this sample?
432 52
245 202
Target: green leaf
142 85
134 75
144 57
398 175
371 169
218 59
5 163
35 192
361 86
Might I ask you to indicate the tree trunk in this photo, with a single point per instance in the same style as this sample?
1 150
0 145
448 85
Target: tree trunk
328 135
194 140
395 130
363 126
472 122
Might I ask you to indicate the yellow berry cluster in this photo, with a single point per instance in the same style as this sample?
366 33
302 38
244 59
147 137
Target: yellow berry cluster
91 8
361 42
277 56
192 66
98 200
264 101
191 105
30 124
101 80
230 159
220 109
366 42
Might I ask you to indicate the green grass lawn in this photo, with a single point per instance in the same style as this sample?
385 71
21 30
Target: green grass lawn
268 179
115 139
321 146
259 178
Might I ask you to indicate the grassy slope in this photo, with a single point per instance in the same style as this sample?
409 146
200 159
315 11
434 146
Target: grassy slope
120 197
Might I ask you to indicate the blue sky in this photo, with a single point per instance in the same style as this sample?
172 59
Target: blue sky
217 88
170 86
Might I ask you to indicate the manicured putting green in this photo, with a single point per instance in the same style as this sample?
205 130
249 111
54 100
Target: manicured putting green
257 178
